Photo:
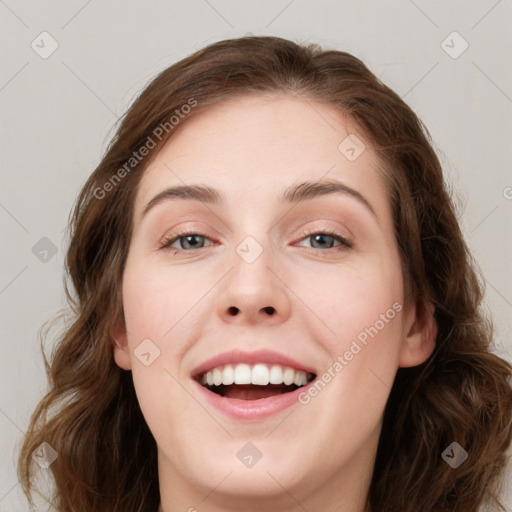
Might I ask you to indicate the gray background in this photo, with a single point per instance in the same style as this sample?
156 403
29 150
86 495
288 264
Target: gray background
58 114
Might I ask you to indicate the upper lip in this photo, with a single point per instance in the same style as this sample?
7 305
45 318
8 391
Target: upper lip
259 356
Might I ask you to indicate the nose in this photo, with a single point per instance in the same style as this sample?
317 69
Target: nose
255 292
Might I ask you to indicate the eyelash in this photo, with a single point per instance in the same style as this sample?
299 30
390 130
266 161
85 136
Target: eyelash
344 243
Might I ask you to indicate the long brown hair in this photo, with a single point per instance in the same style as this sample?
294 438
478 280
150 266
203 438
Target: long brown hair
107 458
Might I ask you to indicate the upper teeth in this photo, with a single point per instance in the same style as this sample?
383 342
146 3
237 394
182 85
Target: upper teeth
259 374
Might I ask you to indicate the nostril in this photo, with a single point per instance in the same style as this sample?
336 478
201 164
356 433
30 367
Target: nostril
233 310
269 309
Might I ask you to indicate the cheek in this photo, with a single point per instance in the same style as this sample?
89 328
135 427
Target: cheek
155 316
357 320
152 312
154 304
361 335
346 300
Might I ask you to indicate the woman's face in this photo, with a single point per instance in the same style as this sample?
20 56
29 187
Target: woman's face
258 286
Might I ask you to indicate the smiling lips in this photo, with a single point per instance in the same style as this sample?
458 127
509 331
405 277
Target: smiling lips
248 382
252 376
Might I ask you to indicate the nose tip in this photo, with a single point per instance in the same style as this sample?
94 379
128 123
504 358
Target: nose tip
254 292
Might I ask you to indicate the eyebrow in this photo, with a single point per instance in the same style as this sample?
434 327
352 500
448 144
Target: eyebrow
292 195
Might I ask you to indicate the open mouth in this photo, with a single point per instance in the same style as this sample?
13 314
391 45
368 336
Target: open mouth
253 382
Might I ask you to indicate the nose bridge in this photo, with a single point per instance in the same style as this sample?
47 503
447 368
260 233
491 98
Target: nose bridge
253 290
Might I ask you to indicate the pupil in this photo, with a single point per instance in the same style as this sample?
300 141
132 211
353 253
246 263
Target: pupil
315 237
187 240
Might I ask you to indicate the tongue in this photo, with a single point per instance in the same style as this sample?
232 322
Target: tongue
253 392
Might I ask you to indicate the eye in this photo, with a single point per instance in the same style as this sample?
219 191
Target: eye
187 240
193 240
325 240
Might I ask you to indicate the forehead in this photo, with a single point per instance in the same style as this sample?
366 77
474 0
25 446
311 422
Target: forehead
252 148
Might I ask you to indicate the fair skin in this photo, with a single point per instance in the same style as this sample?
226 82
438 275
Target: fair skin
314 456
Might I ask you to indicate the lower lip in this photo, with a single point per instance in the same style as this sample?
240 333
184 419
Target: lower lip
251 409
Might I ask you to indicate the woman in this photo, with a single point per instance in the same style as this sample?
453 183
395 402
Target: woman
216 360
